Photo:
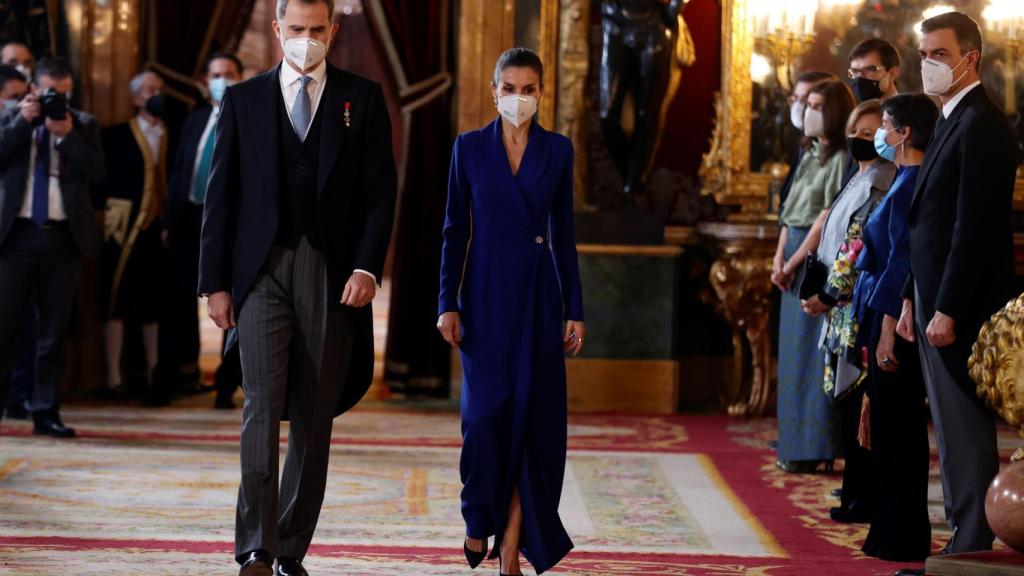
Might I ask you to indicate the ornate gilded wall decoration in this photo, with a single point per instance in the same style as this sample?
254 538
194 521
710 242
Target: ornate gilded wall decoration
997 365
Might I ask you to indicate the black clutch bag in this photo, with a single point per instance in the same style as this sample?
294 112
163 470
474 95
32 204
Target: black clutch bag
810 278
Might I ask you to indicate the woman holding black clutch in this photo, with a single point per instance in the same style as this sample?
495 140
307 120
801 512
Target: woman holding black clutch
837 253
806 431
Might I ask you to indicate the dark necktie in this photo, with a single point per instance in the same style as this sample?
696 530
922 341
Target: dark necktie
41 179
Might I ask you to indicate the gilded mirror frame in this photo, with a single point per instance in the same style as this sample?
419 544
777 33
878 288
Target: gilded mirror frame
725 170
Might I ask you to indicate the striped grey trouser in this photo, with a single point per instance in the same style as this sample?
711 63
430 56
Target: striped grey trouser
281 330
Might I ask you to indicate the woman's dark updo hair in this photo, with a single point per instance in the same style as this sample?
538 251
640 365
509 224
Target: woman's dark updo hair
915 111
518 58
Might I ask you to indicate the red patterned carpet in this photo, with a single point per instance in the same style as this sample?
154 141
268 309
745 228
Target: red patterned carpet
148 492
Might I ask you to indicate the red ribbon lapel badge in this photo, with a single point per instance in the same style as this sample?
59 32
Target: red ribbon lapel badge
348 115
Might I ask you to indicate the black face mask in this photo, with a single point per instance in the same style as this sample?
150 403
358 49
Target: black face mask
862 150
156 106
865 89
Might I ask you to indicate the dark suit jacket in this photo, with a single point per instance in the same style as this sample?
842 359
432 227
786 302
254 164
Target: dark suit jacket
81 157
355 200
183 168
961 237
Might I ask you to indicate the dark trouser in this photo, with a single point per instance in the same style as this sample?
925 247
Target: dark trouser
229 373
39 264
23 376
966 436
900 529
857 461
179 316
282 330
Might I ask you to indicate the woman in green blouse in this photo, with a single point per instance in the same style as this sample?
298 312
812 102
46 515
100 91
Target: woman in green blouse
806 431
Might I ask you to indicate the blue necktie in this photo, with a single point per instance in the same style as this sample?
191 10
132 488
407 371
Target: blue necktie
302 111
202 175
41 179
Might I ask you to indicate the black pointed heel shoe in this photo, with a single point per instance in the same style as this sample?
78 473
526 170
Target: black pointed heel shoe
474 558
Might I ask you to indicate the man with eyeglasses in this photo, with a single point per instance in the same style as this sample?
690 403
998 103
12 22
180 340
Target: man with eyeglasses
874 68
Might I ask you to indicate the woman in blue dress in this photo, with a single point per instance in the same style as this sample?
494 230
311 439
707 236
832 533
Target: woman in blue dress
511 302
895 424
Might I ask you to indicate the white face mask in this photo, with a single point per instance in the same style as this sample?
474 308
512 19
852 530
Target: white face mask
814 123
796 114
517 109
937 77
304 53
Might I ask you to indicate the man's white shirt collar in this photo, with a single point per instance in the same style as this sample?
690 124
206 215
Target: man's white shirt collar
289 75
949 107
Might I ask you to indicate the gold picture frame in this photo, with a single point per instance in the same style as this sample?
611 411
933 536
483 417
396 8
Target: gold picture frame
725 170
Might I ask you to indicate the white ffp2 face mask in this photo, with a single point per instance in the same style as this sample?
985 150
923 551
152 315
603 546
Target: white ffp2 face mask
814 123
304 53
517 109
937 77
796 114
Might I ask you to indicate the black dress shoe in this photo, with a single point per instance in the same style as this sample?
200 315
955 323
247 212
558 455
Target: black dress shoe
474 558
289 567
256 563
911 572
53 427
224 404
848 515
154 399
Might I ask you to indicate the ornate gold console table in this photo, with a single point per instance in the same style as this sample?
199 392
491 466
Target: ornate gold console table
741 277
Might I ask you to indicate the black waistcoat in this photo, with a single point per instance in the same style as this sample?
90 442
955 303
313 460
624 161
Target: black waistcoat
296 200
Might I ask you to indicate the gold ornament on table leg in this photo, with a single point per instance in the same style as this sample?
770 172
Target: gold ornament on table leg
741 278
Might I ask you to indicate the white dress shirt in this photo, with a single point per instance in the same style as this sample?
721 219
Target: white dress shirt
153 133
55 206
290 85
210 125
949 107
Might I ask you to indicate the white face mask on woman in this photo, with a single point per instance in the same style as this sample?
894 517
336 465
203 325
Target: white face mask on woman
304 53
517 109
814 123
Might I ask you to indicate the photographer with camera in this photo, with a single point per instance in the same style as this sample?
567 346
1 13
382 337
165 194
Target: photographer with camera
49 153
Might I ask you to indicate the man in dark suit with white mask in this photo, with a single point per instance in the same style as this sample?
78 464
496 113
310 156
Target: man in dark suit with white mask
297 221
961 264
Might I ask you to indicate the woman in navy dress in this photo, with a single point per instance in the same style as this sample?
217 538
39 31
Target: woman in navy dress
511 301
895 408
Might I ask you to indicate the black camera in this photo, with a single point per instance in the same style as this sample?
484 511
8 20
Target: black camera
55 104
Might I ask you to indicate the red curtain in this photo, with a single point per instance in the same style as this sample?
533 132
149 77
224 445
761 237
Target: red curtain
415 36
691 115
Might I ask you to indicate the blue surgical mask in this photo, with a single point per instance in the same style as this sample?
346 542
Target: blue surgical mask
10 104
218 86
884 149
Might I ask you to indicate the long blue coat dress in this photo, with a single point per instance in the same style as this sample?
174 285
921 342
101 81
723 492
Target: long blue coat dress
508 266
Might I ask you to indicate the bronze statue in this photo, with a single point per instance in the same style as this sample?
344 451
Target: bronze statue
642 38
